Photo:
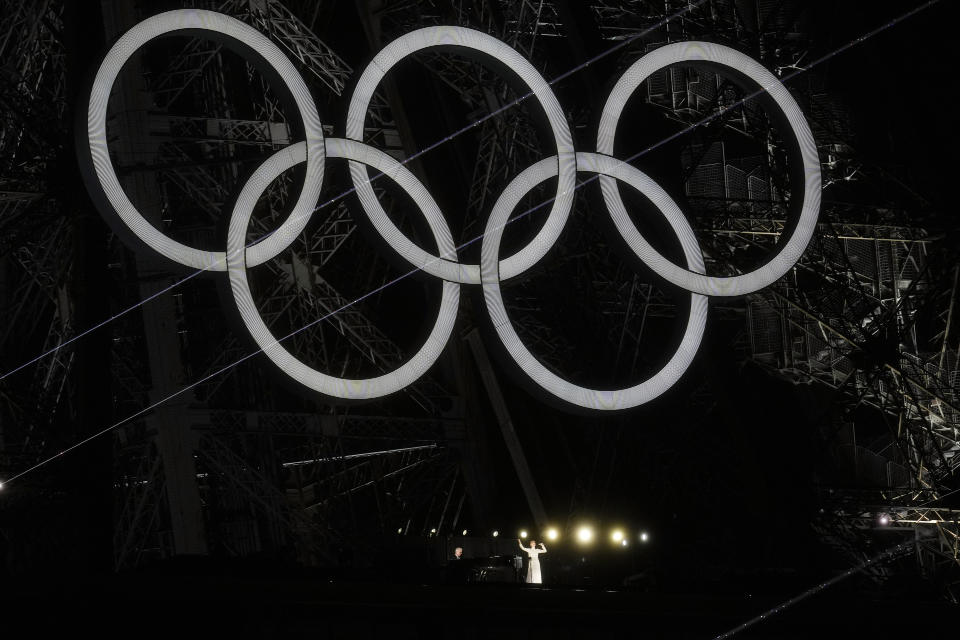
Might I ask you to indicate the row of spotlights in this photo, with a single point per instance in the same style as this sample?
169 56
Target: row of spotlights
584 533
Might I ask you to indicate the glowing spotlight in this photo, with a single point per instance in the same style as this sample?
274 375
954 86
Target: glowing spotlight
464 532
1 486
616 535
523 534
496 533
552 534
884 520
644 536
623 542
433 531
585 534
400 530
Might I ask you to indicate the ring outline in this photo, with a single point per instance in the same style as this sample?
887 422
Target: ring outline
108 183
577 395
332 386
477 41
708 52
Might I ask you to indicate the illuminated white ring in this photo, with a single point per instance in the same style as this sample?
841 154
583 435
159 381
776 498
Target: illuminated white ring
604 400
566 170
344 388
219 23
786 257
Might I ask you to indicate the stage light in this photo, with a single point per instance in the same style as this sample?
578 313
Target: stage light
617 535
1 486
884 519
552 534
585 534
644 536
464 532
523 534
623 542
496 533
433 531
399 529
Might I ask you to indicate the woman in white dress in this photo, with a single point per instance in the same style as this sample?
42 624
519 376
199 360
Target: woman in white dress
533 566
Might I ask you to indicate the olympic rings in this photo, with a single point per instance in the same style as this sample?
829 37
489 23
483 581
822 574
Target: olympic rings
564 166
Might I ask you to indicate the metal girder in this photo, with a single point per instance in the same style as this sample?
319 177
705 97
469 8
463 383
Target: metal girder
860 514
270 17
300 295
300 291
168 429
314 56
217 131
37 238
14 205
33 80
623 19
858 338
840 230
305 471
248 488
873 275
137 531
507 142
285 28
409 490
501 411
850 314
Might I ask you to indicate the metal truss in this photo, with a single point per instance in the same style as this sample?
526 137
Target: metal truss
864 515
37 238
139 533
300 295
507 142
301 291
411 489
237 489
370 474
252 503
850 314
33 80
273 483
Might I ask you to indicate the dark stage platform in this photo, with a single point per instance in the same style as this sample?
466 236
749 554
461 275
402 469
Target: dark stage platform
237 606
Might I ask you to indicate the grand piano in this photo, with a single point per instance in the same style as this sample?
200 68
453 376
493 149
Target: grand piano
489 569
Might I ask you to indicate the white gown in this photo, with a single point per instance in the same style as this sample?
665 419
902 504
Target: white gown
533 566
